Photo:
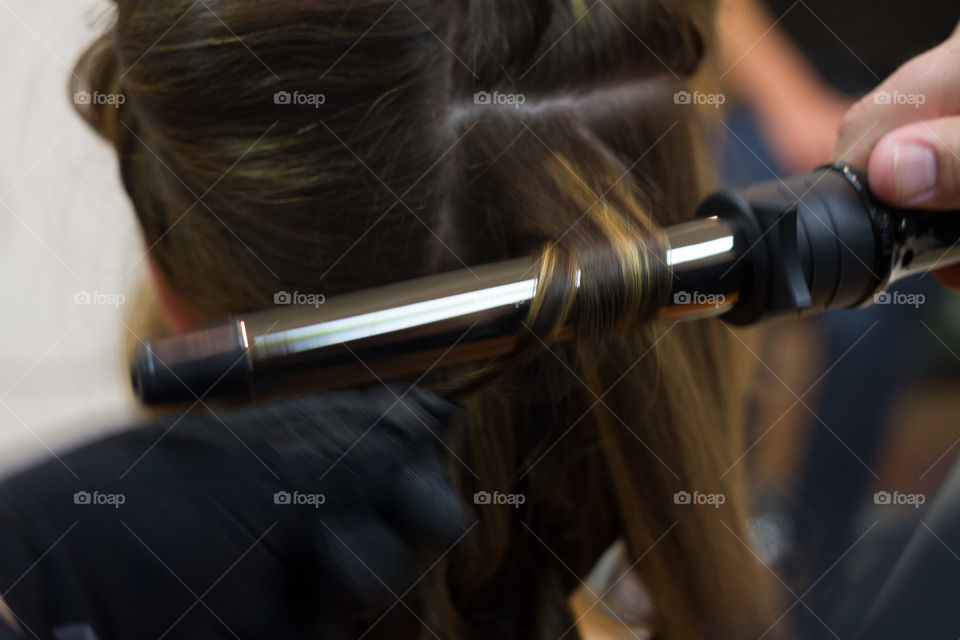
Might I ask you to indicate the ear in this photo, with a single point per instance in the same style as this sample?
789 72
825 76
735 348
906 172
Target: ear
177 315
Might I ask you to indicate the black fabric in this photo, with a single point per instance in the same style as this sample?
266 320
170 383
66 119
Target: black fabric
920 596
126 534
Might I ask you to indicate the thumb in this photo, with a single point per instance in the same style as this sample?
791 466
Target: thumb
918 166
923 89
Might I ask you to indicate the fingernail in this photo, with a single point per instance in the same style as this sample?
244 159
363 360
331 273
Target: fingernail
914 172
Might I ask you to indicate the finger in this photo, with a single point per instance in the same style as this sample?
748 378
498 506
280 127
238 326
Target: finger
421 504
415 410
363 562
918 166
440 409
925 88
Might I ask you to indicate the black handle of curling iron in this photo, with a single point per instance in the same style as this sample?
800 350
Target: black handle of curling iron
782 248
821 241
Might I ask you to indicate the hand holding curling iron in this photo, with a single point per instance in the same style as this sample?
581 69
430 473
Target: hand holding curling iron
907 134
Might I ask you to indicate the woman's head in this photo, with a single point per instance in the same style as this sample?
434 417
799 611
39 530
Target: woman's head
324 146
337 144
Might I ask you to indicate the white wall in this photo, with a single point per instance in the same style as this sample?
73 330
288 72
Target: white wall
65 227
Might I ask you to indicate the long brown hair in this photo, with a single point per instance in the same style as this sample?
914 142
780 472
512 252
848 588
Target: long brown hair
330 145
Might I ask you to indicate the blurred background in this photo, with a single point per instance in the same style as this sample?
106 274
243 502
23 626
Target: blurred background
65 230
850 408
841 407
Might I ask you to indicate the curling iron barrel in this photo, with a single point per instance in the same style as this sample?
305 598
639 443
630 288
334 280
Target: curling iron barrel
783 248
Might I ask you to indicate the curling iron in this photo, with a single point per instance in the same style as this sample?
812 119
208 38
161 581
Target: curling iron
782 248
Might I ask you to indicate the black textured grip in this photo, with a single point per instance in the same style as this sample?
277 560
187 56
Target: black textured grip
807 243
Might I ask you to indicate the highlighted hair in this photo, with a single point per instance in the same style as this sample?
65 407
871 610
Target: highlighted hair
400 172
